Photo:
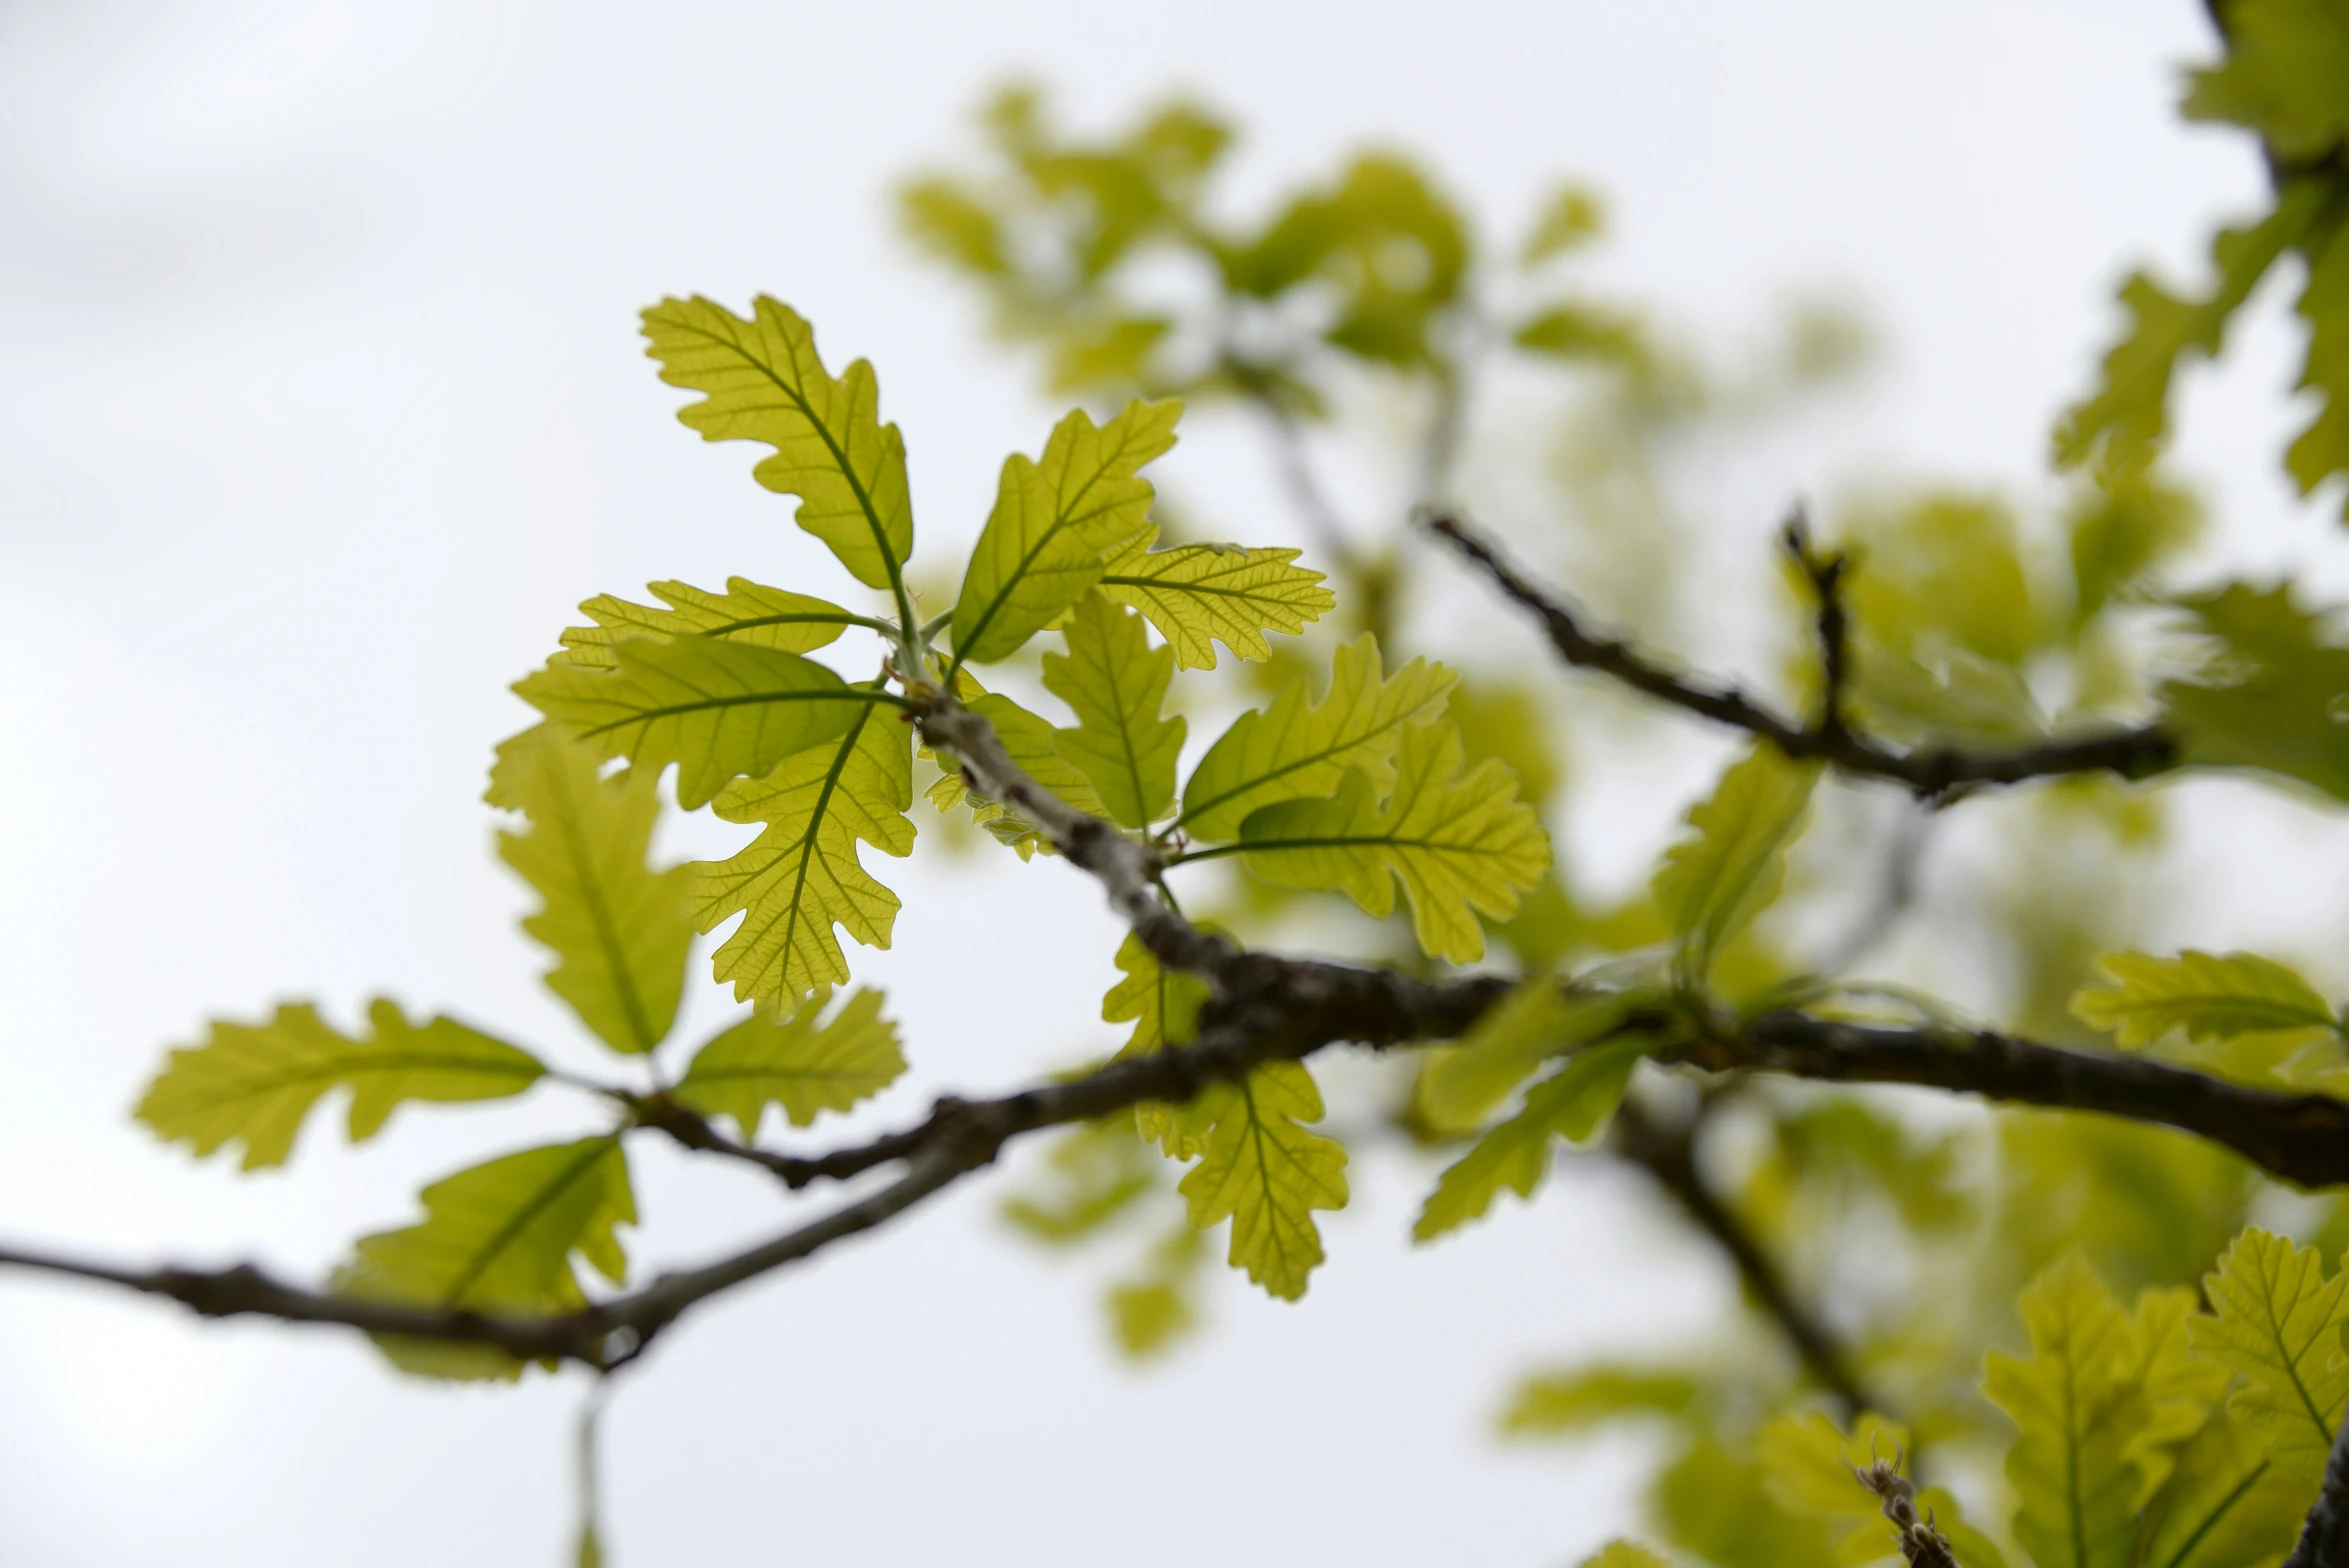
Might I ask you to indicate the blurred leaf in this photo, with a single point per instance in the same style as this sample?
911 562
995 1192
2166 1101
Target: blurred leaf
2120 531
1624 1554
2276 697
1539 1020
2208 997
801 1060
1573 1103
1714 881
1559 1403
745 612
2278 1323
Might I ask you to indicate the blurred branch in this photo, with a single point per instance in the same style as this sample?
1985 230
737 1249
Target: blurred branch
2324 1540
1668 1154
1929 773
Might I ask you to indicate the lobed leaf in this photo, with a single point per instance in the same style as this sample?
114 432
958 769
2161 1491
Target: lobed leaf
1717 879
763 381
1200 594
801 877
719 710
801 1060
1163 1006
745 612
619 930
1263 1170
1460 844
257 1083
1537 1021
2210 998
1292 750
2278 1322
1054 521
2226 1503
2282 77
1573 1103
499 1238
1115 683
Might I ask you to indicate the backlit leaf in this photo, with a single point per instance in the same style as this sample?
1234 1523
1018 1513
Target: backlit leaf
2207 997
745 612
1054 520
1461 844
498 1238
764 382
1115 683
1200 594
804 1062
2278 1322
1716 880
2226 1504
1537 1021
1266 1172
801 876
257 1083
2276 695
1293 751
619 929
719 710
1573 1103
2282 76
1034 745
1163 1006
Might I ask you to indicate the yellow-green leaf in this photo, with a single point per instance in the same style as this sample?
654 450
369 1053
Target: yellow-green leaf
499 1238
257 1083
2210 998
1200 594
2076 1403
1807 1462
1460 844
2278 1322
2270 697
745 612
1573 1103
619 930
719 710
764 382
1717 879
1163 1006
1624 1554
801 876
805 1062
2226 1504
1294 749
1115 682
1034 745
2283 76
1539 1020
1263 1170
1053 522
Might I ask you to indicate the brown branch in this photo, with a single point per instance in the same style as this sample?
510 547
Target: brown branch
1928 772
1668 1154
2324 1540
1921 1546
1824 572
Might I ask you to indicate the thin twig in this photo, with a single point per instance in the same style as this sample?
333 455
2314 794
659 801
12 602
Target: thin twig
1824 572
1930 773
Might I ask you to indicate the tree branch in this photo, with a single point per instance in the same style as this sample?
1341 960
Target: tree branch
1929 772
2324 1540
1668 1154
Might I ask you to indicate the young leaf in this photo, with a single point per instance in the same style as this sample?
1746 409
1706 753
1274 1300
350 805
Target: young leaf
1115 682
1460 844
801 876
618 929
1200 594
745 612
1713 882
1573 1103
2076 1404
1559 1403
2208 997
1537 1021
1292 751
2271 697
764 382
719 710
2278 1322
1163 1006
1034 744
803 1062
258 1082
498 1238
1053 521
2227 1503
1266 1173
2282 76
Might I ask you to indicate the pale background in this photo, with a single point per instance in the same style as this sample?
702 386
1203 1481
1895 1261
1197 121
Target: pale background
320 405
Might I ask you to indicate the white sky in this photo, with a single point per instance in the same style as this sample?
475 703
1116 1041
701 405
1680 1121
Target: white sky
321 404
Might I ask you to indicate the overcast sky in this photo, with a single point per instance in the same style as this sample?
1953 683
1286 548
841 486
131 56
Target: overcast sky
321 405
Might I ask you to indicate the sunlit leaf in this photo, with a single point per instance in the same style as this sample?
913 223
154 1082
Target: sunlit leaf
1573 1103
2226 1504
803 1061
1115 683
1034 746
1266 1172
2278 1322
2282 76
1537 1021
1200 594
2274 697
745 612
2207 997
1724 873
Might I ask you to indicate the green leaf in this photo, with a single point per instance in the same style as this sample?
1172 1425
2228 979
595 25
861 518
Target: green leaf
498 1238
2226 1504
1292 751
1715 881
1460 844
719 710
2279 1324
1573 1103
1054 520
1200 594
745 612
1537 1021
2322 450
802 1061
2282 76
1584 333
801 876
2208 997
1624 1554
1808 1461
2276 695
1034 745
1263 1170
258 1082
764 382
2076 1403
1163 1006
1559 1403
619 930
1570 217
2123 422
1115 683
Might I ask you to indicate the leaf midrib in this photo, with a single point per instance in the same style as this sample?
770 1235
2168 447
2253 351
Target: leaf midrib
599 913
503 1237
1018 574
346 1069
